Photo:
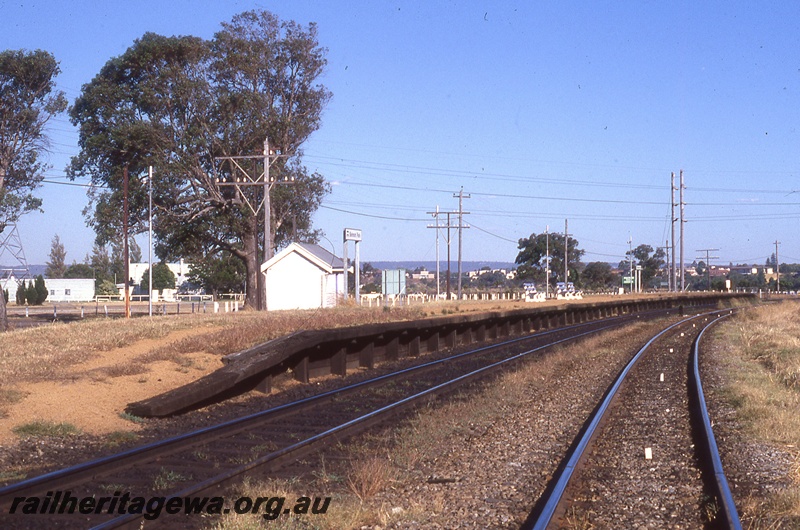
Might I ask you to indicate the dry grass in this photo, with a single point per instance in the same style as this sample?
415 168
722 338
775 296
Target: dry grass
9 396
40 353
370 476
344 511
763 384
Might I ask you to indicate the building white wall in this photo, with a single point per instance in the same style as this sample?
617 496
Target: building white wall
333 289
179 269
58 289
69 289
294 282
10 283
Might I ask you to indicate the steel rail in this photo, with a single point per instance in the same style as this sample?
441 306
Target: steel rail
87 470
129 519
728 506
554 497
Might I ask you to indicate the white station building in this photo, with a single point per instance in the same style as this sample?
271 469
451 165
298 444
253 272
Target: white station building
303 276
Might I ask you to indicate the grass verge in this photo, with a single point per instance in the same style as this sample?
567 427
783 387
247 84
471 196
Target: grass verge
762 372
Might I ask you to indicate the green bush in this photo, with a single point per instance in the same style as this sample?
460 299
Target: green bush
31 295
21 293
34 293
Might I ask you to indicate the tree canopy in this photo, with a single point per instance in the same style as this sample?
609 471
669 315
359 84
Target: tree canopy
218 274
650 261
532 257
163 278
598 275
57 265
179 104
28 100
79 270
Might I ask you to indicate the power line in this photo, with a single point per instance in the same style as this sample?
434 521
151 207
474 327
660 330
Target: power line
371 215
483 157
360 164
515 241
507 195
366 164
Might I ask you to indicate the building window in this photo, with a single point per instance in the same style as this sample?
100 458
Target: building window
52 292
67 292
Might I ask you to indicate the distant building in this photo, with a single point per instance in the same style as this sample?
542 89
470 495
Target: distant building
717 272
510 275
180 269
303 276
9 281
423 274
69 289
58 289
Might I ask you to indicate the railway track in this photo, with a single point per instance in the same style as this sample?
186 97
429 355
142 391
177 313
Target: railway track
647 457
204 461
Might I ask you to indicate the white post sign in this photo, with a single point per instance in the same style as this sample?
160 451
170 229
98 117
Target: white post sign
352 234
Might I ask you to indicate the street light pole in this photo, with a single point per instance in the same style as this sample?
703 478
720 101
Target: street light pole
125 249
630 259
150 239
547 266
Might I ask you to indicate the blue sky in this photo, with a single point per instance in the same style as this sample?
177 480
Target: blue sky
541 111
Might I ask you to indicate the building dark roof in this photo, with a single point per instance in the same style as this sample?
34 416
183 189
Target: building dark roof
323 255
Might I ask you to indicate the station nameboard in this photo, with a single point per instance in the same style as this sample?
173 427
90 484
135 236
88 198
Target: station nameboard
352 234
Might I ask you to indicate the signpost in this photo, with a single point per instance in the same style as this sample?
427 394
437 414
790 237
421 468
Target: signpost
352 234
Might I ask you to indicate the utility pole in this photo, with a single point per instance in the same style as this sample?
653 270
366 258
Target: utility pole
461 214
448 226
241 178
683 221
708 265
666 249
777 267
268 212
673 274
566 253
547 266
125 241
630 260
436 226
150 240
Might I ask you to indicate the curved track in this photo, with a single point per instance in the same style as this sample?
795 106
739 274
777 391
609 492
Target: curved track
647 456
204 460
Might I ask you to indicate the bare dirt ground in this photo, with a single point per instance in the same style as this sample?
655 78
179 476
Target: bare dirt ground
91 397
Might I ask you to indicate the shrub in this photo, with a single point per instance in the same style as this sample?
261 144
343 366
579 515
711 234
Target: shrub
41 290
21 293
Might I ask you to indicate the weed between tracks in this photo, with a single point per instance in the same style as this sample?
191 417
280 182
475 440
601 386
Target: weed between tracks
762 362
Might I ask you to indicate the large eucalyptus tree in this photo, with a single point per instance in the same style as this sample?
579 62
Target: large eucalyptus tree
180 104
28 100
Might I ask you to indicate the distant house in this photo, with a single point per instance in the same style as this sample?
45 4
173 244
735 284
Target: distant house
303 276
69 289
58 289
9 281
180 269
423 274
718 272
744 270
